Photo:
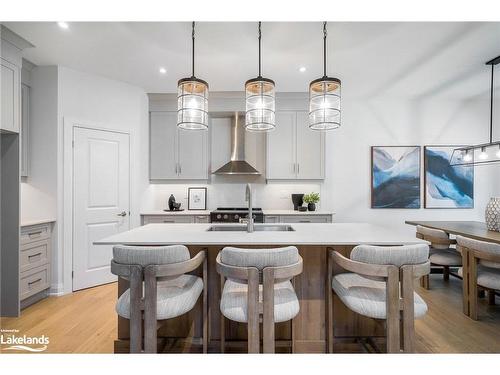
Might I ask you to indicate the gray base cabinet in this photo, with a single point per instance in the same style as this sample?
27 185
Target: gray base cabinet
34 262
172 219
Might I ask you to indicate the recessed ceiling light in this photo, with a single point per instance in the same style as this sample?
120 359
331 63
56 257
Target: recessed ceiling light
63 25
163 71
302 69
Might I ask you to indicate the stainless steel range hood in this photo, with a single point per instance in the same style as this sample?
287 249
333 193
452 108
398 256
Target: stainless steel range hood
237 165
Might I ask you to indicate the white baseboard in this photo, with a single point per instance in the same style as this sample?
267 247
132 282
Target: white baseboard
56 290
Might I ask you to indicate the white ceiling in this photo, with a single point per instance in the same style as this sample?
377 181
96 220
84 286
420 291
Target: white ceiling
371 59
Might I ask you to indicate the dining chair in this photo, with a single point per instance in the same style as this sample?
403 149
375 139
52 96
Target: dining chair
440 252
160 289
379 284
482 271
256 285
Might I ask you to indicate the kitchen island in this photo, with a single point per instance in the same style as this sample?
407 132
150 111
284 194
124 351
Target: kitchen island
307 331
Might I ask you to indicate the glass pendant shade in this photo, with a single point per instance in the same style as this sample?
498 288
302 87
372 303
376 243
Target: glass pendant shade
192 104
324 103
260 104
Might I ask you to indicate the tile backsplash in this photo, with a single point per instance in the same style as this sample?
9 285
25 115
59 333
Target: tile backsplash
268 196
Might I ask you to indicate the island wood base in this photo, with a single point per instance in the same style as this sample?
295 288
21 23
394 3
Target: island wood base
306 333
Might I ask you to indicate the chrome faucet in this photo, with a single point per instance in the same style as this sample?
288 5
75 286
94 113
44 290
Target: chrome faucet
248 197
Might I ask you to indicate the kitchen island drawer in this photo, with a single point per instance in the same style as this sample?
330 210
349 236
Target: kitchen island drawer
34 281
33 255
34 233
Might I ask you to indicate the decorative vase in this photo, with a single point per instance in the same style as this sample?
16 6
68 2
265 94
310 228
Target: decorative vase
493 214
311 206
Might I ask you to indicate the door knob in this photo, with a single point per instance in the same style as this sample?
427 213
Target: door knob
123 213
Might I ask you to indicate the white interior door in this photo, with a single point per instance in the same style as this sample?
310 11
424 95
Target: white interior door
101 197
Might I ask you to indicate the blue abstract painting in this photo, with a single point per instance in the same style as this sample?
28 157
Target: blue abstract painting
447 186
395 177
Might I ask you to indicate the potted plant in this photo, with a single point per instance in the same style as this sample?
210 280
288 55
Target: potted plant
311 200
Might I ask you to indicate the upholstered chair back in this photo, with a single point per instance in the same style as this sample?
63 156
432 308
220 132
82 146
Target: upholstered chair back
436 233
151 255
486 247
390 255
260 258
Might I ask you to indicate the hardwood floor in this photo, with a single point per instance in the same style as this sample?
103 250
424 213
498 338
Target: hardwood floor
85 321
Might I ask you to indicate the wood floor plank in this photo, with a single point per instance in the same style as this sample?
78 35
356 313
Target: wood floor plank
85 322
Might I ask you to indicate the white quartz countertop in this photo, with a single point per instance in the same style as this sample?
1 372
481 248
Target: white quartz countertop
304 234
31 222
185 212
293 212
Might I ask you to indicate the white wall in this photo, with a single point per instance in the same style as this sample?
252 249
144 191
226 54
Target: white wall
395 121
59 93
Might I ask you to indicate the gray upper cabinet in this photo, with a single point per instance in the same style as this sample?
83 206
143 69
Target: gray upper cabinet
176 154
11 84
310 150
294 152
281 163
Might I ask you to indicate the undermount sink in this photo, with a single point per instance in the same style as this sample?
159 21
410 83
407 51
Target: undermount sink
256 228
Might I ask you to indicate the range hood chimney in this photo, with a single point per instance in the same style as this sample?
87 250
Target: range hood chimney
237 165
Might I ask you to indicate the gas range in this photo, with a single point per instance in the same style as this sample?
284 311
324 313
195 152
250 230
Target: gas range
233 214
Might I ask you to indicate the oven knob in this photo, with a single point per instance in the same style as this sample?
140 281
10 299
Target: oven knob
219 216
225 217
236 216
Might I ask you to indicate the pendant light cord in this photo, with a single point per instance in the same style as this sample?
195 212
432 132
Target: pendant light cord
260 37
192 36
491 101
325 33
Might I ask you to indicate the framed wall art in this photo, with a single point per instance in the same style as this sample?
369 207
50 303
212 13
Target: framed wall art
395 177
197 198
446 186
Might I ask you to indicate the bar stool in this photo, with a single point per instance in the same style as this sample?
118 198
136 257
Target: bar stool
482 270
379 284
258 287
440 252
159 289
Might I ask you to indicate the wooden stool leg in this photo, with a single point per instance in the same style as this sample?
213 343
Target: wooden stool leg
491 297
425 282
268 311
446 273
205 306
222 322
330 297
253 311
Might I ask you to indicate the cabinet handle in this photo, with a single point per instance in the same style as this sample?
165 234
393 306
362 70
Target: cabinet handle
176 169
34 255
168 221
34 282
298 168
293 168
304 221
35 233
180 169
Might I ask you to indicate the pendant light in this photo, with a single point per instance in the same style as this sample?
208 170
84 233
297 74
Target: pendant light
192 100
324 98
260 100
484 153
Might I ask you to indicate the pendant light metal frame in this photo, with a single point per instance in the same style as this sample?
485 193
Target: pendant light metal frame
263 90
458 154
324 87
191 89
